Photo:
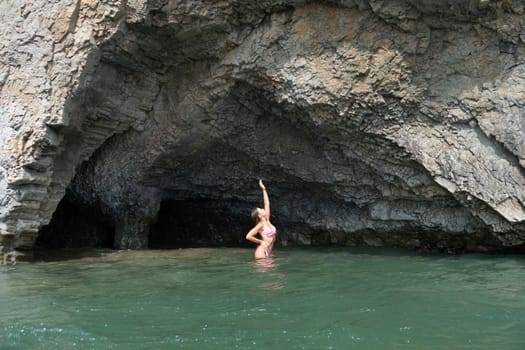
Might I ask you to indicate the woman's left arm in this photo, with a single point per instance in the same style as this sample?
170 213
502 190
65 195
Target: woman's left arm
266 200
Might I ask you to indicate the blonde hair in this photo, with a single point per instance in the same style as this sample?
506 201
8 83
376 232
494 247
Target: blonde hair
255 215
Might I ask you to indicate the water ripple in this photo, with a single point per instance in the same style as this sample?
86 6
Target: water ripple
300 299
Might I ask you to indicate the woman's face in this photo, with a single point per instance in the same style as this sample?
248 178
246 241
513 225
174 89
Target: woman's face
260 212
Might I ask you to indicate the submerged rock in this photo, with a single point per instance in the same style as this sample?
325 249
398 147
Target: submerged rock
373 123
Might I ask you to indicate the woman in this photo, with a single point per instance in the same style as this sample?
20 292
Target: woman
263 227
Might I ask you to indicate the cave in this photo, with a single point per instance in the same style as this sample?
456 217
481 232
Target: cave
189 177
369 129
74 225
200 223
178 224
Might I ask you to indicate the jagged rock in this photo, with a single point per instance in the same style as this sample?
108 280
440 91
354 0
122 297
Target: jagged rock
372 122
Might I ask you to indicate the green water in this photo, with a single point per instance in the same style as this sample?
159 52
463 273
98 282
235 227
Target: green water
301 299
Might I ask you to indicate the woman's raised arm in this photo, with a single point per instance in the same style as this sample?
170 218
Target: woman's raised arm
266 200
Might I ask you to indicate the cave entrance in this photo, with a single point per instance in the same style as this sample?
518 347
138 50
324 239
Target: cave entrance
76 225
200 222
179 223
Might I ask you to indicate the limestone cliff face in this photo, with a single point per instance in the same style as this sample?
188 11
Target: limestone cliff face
373 122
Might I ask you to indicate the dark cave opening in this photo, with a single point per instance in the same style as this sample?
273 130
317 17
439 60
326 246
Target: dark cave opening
179 224
76 225
200 222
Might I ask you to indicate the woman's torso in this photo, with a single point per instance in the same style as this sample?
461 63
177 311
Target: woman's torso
268 232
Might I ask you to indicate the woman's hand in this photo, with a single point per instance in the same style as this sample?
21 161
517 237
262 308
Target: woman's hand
261 185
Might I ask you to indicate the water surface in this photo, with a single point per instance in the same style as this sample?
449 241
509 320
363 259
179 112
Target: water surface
300 299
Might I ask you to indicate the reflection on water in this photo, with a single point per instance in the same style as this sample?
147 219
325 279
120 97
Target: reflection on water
269 266
265 265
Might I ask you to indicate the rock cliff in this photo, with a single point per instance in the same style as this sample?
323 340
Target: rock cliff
396 123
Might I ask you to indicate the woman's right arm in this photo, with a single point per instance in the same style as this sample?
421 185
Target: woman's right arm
251 235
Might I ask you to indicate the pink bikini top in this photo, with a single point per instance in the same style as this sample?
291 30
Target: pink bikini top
269 232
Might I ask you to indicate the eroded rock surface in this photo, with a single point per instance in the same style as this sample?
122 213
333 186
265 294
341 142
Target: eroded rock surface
373 122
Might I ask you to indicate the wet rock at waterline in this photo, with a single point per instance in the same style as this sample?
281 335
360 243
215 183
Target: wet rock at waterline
373 122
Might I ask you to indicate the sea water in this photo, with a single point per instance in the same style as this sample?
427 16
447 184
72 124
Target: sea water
299 299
